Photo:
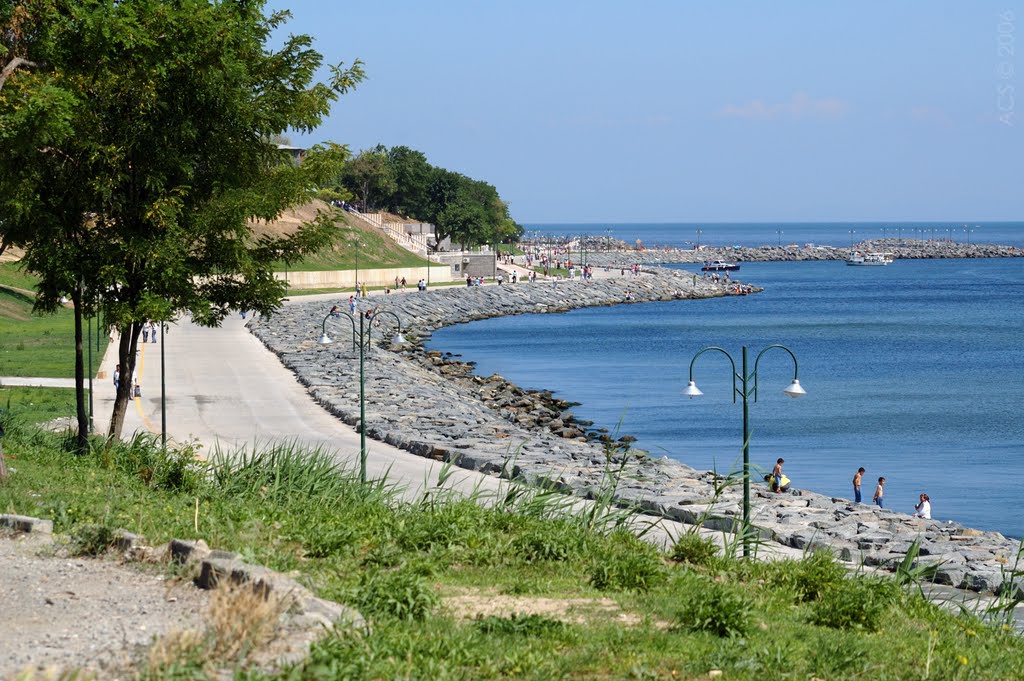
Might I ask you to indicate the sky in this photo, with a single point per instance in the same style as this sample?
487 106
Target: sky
673 111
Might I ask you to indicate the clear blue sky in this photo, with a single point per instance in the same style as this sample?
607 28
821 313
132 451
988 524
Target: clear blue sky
660 111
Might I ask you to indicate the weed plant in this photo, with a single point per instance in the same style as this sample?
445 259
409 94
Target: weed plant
518 584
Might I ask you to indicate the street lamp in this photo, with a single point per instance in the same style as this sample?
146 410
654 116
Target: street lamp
364 337
778 233
748 386
699 232
852 232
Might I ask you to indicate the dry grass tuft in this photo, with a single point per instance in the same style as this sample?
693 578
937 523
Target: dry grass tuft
241 620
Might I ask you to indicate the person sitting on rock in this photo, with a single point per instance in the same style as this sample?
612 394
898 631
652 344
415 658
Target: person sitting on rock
923 509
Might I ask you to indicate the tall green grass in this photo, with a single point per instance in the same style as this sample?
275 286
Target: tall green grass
583 598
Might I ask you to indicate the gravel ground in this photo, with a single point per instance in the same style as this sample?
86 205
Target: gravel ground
58 612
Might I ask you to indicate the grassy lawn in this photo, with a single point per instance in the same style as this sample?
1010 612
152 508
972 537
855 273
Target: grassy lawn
39 345
38 405
456 590
11 275
375 251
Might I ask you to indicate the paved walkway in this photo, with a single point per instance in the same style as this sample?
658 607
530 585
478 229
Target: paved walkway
12 381
225 389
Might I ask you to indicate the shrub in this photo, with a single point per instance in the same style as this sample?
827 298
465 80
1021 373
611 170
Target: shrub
92 540
714 607
808 578
548 541
858 603
694 549
627 563
399 594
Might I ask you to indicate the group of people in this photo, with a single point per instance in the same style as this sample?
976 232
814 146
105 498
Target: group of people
136 391
634 270
779 483
922 509
149 332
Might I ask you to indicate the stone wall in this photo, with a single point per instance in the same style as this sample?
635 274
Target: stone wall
429 404
346 279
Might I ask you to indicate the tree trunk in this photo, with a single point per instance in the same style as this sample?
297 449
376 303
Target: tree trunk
126 358
82 443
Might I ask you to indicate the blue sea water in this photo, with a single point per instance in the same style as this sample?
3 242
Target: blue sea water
684 235
914 371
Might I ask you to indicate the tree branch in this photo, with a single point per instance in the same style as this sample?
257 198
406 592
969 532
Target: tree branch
14 64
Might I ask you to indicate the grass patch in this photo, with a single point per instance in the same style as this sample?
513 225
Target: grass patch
649 616
13 276
373 250
39 345
38 405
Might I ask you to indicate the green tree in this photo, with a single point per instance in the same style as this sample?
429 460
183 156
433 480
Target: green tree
369 176
165 115
411 174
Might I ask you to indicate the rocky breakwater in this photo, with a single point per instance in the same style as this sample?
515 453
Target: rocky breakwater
906 249
428 403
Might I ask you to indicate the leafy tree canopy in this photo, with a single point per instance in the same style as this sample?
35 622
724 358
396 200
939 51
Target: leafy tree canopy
137 145
400 180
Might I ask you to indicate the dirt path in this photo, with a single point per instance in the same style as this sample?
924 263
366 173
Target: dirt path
65 613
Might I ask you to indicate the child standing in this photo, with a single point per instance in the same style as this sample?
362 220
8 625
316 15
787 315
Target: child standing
777 475
879 493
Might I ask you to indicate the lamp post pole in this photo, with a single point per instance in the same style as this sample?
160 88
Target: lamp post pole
747 387
89 344
852 232
778 232
163 384
699 232
365 332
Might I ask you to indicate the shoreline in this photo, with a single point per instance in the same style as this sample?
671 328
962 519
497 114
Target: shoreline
428 404
901 249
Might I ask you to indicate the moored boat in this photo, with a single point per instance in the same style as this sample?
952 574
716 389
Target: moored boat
719 266
869 259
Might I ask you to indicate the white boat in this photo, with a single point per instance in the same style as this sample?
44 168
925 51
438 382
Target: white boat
719 266
869 259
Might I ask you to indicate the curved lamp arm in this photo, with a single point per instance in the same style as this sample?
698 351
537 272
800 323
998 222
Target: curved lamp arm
376 320
794 389
731 361
325 339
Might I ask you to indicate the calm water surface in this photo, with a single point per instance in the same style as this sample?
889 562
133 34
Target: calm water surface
914 371
684 234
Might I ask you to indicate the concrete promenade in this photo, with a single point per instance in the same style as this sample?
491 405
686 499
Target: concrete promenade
226 389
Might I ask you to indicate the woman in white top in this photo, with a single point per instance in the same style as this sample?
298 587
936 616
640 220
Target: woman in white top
924 507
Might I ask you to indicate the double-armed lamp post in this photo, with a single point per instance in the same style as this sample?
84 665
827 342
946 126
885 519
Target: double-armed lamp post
744 384
362 335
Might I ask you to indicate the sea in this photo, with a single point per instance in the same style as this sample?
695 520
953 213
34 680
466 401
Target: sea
914 371
725 235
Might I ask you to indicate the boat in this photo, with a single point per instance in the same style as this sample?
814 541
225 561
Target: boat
719 266
869 259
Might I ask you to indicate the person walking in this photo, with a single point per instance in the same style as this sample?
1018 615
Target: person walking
117 378
880 493
923 508
856 484
145 332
